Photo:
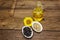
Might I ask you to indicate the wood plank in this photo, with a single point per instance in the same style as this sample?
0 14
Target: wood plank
38 0
11 23
5 4
50 5
17 35
30 0
4 14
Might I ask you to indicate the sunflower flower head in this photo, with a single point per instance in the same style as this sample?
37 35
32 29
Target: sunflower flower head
28 21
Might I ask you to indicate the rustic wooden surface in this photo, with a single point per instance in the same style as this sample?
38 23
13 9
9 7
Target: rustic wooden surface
12 13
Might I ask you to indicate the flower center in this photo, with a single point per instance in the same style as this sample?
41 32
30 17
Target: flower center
28 22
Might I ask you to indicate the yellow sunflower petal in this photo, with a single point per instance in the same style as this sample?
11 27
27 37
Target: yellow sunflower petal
28 21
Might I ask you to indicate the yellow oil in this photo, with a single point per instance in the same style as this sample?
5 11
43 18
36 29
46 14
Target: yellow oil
38 13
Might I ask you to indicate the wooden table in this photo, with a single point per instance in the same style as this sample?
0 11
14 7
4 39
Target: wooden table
12 14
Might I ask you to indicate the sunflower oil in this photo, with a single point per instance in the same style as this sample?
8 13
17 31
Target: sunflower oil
38 12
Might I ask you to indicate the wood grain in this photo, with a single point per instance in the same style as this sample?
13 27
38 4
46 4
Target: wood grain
17 35
5 4
51 14
4 14
32 4
13 12
50 5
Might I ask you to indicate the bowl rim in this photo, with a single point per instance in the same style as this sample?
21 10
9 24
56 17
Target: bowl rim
39 24
25 35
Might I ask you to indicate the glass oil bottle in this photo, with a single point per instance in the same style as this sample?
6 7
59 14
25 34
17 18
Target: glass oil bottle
38 12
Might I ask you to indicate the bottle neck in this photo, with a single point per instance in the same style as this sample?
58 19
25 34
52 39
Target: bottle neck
39 4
